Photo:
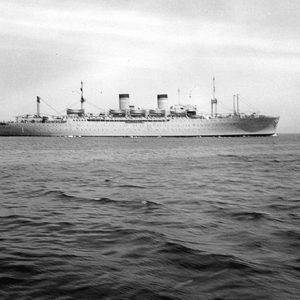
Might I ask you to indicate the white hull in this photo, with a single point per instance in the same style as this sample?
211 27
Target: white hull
236 126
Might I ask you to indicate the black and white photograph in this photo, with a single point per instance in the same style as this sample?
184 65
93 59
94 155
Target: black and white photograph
150 149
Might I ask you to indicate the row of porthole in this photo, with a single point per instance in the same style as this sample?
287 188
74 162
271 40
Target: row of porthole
136 126
169 127
118 128
139 125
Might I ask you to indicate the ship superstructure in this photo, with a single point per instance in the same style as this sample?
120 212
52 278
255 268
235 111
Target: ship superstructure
130 121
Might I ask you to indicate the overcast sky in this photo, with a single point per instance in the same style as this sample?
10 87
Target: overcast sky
149 47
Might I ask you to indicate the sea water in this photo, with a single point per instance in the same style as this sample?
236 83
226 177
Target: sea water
150 218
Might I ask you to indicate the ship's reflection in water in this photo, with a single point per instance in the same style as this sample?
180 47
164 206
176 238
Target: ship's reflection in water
148 218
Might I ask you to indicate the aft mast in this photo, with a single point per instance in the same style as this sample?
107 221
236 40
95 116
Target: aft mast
214 100
38 101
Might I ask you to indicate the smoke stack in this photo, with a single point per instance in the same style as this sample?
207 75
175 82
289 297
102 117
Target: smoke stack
124 101
38 101
237 104
234 112
162 101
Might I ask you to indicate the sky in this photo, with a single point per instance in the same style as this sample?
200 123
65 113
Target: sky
146 48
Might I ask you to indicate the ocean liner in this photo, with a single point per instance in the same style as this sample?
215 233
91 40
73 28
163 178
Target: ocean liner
128 121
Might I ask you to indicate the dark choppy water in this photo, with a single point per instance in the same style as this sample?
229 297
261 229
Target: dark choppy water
150 218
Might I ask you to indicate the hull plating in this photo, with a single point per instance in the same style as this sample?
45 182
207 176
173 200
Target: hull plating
171 127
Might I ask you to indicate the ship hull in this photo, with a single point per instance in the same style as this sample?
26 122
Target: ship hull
185 127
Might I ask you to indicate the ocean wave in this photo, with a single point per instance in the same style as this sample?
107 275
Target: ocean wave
291 234
159 219
239 157
57 194
131 186
10 281
194 259
249 215
283 207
